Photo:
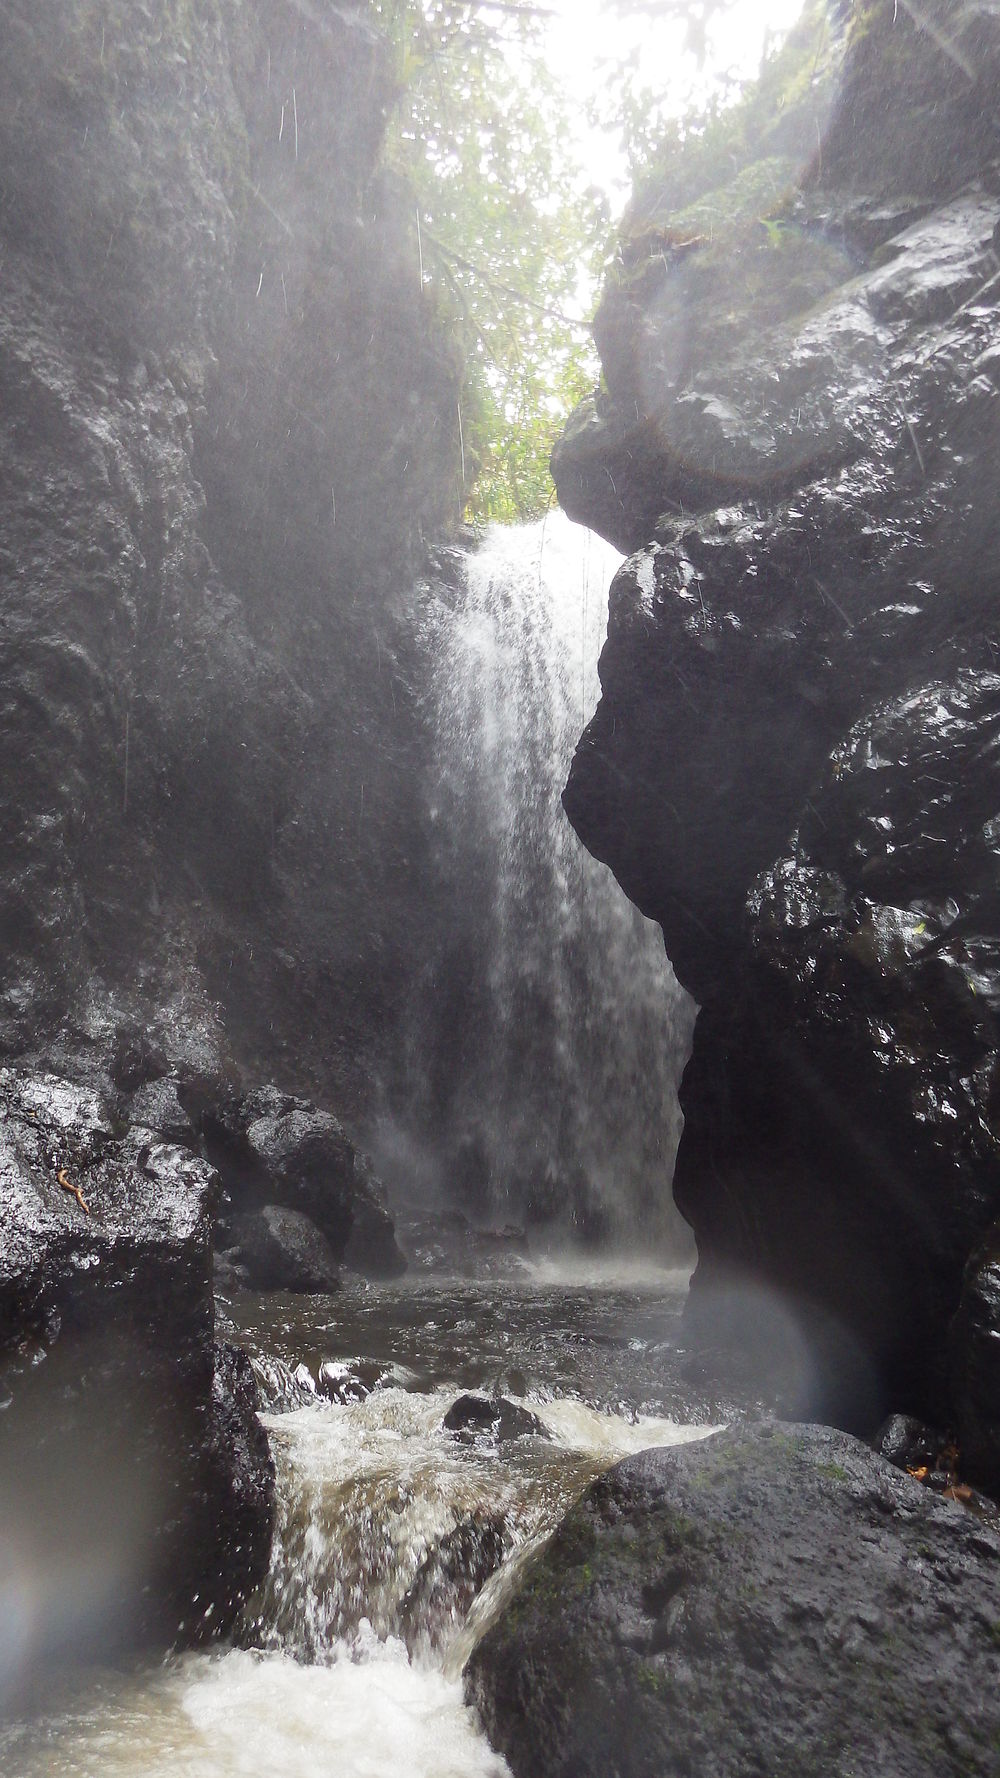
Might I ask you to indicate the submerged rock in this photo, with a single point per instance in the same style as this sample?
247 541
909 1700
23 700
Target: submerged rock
451 1575
775 1600
353 1379
493 1418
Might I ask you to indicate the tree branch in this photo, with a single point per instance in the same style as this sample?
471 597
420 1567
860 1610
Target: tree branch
520 296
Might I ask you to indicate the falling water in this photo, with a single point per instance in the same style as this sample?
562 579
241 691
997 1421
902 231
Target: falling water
549 1032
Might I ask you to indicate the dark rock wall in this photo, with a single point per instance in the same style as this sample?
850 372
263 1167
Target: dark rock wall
216 367
136 1480
227 418
793 764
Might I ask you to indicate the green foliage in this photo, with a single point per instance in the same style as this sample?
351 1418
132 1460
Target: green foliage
726 179
504 232
739 139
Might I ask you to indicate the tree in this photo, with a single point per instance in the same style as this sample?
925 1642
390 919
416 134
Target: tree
506 232
678 149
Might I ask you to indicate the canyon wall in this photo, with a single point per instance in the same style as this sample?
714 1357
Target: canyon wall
793 766
229 420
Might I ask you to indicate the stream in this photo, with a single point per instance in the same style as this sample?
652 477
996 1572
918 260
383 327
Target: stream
397 1540
405 1515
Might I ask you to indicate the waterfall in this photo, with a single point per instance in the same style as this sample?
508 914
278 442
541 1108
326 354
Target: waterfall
390 1528
548 1032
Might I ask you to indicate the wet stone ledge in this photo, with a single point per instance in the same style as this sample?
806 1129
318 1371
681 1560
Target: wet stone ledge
136 1479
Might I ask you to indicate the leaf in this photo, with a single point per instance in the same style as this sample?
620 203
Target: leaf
509 230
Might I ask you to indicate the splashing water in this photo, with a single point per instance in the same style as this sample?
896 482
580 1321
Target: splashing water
542 1101
396 1544
389 1525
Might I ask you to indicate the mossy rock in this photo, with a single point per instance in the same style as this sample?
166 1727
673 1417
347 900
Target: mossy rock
775 1600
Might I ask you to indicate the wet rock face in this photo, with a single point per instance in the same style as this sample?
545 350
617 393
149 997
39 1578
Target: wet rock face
859 1051
793 764
778 1599
975 1363
73 1206
129 1447
240 1493
214 373
784 620
157 1106
494 1420
281 1249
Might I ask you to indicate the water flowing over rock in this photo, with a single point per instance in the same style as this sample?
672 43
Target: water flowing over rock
793 766
535 1097
405 1508
393 1543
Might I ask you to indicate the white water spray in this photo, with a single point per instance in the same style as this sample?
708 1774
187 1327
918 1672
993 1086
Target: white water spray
549 1032
370 1610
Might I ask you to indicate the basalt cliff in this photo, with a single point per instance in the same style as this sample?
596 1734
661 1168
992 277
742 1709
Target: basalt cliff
228 423
217 365
794 763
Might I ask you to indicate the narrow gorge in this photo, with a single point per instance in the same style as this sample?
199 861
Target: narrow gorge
425 940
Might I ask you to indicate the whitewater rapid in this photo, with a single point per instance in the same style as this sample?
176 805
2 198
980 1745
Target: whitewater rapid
357 1642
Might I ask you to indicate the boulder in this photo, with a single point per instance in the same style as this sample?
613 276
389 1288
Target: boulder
275 1150
454 1570
156 1105
282 1249
353 1379
776 1600
492 1418
908 1443
126 1444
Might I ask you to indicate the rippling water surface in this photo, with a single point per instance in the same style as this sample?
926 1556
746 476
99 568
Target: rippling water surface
397 1540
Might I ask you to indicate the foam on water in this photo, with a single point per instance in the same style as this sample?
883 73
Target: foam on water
366 1714
607 1271
602 1439
368 1490
397 1543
